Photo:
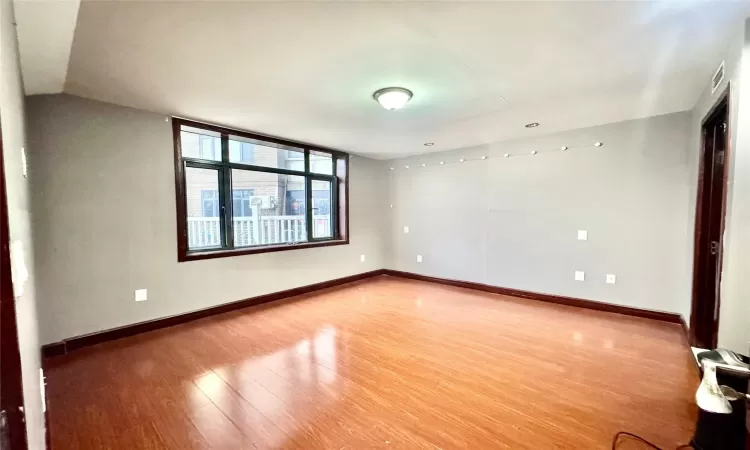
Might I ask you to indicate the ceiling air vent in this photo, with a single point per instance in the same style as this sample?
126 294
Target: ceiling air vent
717 78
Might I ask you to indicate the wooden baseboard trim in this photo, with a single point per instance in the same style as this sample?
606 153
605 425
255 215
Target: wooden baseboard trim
68 345
570 301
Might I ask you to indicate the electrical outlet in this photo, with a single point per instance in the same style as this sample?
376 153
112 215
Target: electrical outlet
141 295
611 278
406 230
362 258
583 235
580 275
419 258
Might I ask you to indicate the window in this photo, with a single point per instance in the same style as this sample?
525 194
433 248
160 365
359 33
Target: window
241 193
210 203
241 152
241 202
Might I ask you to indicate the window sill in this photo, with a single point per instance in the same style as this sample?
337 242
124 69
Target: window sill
211 254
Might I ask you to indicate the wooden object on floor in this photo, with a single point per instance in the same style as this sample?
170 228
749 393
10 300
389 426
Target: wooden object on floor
385 363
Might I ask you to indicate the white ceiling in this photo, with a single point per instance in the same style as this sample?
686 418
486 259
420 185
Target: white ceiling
45 34
479 71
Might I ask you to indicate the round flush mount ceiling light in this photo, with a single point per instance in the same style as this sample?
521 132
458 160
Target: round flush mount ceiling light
392 98
429 144
532 125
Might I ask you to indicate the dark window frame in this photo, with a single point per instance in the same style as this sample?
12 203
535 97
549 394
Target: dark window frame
339 193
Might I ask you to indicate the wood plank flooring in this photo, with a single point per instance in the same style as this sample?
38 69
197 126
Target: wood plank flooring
385 363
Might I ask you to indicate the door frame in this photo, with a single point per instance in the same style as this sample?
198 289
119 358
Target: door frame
724 98
11 395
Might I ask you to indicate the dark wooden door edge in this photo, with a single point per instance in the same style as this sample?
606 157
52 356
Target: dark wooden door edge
722 100
11 378
68 345
688 339
570 301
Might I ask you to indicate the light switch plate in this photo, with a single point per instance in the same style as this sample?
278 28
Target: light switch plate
362 258
24 163
580 276
406 230
583 235
141 295
41 389
419 258
611 278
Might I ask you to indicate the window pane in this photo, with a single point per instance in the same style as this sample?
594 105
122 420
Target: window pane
321 163
266 154
321 198
203 144
267 208
203 206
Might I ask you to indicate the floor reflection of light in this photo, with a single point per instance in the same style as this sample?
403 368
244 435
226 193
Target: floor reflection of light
325 354
211 384
577 337
293 375
303 347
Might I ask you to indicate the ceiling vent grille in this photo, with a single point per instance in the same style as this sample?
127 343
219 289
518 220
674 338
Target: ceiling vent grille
717 78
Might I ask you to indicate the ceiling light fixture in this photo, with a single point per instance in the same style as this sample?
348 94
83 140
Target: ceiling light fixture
598 144
506 155
461 160
392 98
563 148
429 144
442 162
533 152
424 165
532 125
484 157
406 167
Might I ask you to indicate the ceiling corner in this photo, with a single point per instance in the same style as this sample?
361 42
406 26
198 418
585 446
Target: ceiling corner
45 31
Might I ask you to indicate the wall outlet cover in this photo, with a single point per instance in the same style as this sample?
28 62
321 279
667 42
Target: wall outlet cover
362 258
141 295
419 258
583 235
580 275
406 230
611 278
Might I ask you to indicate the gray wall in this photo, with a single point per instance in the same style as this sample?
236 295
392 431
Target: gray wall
104 218
14 138
512 222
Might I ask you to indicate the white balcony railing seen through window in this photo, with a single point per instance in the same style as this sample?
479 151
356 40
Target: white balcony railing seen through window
205 232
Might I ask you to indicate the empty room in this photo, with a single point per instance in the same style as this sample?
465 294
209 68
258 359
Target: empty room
374 225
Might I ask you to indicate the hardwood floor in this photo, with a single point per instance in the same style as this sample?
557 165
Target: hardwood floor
385 363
